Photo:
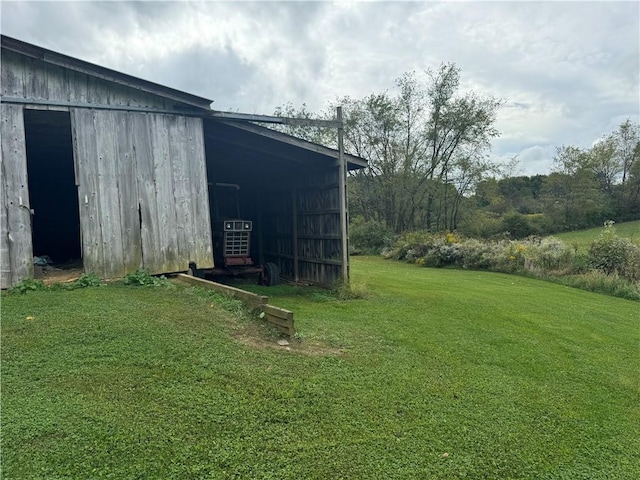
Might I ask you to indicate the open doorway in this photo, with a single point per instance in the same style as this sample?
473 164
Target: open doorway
53 193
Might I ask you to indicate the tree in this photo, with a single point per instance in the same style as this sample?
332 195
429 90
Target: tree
426 147
572 195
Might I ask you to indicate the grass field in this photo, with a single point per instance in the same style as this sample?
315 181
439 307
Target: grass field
583 238
438 374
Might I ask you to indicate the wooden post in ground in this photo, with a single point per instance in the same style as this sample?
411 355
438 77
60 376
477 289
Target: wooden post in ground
342 181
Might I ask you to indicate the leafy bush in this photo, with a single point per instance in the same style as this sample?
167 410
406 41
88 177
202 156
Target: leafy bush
614 255
141 278
369 237
27 285
549 254
87 280
611 267
517 225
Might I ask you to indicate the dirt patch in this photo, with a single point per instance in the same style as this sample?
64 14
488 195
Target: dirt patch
258 336
49 277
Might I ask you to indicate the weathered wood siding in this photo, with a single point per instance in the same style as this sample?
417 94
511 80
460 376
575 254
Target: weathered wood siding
16 249
142 192
301 228
30 78
318 219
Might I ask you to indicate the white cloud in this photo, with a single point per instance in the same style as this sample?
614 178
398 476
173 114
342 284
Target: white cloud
568 70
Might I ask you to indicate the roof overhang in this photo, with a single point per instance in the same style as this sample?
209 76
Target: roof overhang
255 138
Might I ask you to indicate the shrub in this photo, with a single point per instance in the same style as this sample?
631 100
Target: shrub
369 237
87 280
27 285
614 255
517 225
141 277
549 254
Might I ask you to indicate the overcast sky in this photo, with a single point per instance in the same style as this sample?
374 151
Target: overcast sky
568 71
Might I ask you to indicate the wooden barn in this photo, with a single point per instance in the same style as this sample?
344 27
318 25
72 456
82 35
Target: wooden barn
118 173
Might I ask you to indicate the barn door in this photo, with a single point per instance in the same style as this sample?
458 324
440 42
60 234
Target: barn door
142 191
107 192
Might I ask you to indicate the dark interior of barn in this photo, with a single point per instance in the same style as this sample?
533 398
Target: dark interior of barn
262 167
53 194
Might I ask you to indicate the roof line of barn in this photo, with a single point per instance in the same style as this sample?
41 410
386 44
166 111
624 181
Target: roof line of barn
61 60
203 105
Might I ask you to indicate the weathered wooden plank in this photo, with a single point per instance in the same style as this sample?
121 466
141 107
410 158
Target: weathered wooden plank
12 74
35 79
251 299
5 259
57 83
182 194
171 261
280 318
14 176
110 222
147 196
86 166
196 159
128 193
78 86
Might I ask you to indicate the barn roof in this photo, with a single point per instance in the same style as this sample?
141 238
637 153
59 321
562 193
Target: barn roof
55 58
239 131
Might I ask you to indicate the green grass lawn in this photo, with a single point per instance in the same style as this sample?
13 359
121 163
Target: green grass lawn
438 374
583 238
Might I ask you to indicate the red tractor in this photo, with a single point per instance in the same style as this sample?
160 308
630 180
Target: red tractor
232 241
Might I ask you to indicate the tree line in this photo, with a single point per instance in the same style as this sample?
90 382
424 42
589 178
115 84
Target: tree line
429 167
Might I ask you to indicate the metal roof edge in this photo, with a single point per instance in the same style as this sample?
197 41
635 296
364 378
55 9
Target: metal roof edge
65 61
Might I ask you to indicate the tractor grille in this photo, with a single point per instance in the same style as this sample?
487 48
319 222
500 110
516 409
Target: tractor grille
236 244
236 237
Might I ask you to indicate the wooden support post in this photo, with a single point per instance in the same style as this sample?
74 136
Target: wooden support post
344 224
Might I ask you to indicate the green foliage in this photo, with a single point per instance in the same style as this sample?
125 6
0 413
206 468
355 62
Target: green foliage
547 258
517 225
142 277
614 255
27 285
87 280
369 237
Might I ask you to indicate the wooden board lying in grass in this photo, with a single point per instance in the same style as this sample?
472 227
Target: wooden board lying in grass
280 318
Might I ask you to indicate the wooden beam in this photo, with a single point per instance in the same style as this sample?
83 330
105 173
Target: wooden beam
249 298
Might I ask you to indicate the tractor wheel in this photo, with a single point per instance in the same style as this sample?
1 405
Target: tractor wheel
271 275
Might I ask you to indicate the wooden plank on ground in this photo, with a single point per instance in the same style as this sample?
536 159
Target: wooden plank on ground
251 299
280 318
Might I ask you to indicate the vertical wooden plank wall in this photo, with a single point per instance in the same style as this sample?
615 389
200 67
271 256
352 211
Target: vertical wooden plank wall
277 229
16 248
302 234
85 154
318 222
142 192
